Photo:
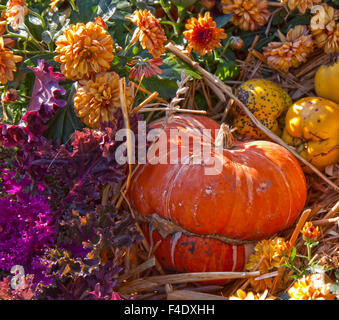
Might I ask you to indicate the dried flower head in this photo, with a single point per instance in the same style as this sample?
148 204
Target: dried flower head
301 5
149 32
145 68
310 232
84 50
7 63
268 254
311 287
247 14
97 100
242 295
11 95
203 35
291 51
16 12
325 30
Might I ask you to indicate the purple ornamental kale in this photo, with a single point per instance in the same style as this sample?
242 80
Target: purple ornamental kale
26 228
44 104
46 91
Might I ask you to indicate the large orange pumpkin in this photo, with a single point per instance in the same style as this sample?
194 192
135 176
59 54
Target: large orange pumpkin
206 222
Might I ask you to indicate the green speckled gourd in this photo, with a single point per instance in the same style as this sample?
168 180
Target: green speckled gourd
267 101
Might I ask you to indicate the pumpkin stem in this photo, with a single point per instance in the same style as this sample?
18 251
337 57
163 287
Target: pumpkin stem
224 137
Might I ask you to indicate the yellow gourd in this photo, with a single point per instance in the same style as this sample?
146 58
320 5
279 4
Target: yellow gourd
267 101
326 82
312 126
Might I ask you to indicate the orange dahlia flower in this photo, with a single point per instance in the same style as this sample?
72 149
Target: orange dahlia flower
149 32
84 50
7 63
267 256
247 14
96 101
203 35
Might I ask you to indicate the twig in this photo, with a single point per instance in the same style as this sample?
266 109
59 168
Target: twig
153 96
156 281
275 4
207 98
149 93
291 243
191 295
325 221
124 107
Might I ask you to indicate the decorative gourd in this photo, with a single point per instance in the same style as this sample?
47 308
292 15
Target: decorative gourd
326 82
312 126
267 101
207 222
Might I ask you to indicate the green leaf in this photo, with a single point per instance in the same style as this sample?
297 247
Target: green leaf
173 67
335 287
302 19
165 87
313 244
227 70
221 21
183 3
65 122
87 10
293 254
32 62
264 41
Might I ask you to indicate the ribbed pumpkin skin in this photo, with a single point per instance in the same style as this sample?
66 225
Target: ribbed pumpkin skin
198 254
260 191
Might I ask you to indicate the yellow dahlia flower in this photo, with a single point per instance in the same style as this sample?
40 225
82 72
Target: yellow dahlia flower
291 51
7 63
97 100
311 287
203 35
16 12
247 14
266 257
149 32
84 50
